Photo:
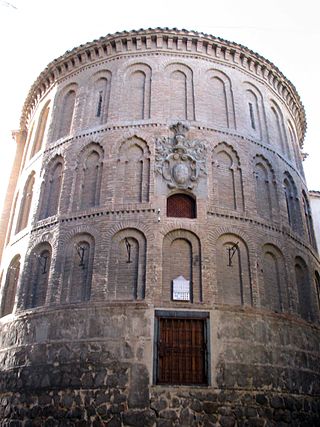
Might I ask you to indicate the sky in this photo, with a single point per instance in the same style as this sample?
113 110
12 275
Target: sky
34 32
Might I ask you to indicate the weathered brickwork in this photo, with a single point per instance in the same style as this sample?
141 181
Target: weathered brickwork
158 176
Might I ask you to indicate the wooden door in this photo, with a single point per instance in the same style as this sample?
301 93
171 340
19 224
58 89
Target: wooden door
181 351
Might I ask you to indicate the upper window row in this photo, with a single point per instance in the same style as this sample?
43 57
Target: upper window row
215 105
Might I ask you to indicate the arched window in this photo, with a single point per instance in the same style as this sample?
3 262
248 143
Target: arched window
233 271
10 286
254 112
78 268
288 197
133 172
266 195
181 92
127 266
178 95
263 195
227 178
308 220
278 130
218 98
271 281
292 203
137 94
181 206
67 113
275 292
40 130
303 287
88 177
102 95
218 102
51 189
39 264
25 204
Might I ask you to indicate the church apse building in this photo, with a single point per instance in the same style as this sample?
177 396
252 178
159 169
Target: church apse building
159 266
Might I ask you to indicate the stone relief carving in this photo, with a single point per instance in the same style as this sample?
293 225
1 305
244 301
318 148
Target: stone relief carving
179 160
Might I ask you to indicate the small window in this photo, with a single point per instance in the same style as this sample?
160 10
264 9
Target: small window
99 108
181 206
181 348
253 125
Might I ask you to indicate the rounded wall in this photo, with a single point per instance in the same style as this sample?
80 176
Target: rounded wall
161 190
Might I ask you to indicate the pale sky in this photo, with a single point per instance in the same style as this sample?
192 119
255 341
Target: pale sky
34 32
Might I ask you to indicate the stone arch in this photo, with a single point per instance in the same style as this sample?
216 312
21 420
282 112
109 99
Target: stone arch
234 284
133 172
227 178
51 188
67 109
275 292
181 92
278 133
78 268
101 88
265 184
137 99
303 288
292 203
181 256
45 237
146 230
127 265
88 178
220 104
25 203
41 128
255 112
10 286
37 277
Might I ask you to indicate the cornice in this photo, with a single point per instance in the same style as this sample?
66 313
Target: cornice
314 193
166 40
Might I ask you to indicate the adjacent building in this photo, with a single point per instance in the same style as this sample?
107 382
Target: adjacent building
315 208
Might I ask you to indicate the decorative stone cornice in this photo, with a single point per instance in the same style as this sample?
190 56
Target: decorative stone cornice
167 40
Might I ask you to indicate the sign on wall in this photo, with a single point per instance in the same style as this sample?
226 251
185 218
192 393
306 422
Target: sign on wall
181 289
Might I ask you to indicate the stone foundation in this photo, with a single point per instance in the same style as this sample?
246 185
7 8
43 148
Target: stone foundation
167 407
72 367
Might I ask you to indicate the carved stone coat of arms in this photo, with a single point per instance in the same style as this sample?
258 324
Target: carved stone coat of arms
180 161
